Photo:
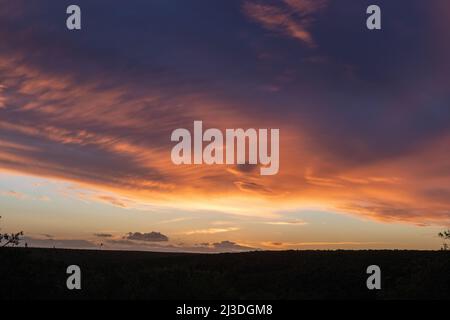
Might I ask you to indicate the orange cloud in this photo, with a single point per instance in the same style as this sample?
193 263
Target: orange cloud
211 231
113 135
391 190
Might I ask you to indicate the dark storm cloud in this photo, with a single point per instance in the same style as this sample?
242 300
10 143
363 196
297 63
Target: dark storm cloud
151 236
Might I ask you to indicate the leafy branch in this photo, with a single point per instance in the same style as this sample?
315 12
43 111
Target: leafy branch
10 238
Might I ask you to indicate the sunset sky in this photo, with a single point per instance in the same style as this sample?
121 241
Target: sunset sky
86 118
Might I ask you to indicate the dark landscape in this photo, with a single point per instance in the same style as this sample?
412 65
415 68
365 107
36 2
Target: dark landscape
41 274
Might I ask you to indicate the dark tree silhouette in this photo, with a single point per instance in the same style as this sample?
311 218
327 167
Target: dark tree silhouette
12 239
446 236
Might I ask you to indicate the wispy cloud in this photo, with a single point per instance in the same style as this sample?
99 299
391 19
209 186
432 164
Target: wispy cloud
319 244
290 17
174 220
50 242
14 194
112 200
296 222
103 235
211 231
